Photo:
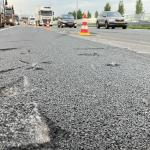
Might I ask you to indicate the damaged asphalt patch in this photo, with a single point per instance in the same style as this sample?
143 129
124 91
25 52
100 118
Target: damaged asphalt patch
16 87
22 126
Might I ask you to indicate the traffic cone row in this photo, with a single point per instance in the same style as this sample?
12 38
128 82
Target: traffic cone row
84 29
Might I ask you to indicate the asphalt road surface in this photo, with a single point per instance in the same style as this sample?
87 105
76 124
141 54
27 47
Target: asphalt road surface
135 40
59 92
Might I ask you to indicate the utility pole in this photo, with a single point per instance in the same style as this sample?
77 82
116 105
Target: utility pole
76 10
4 4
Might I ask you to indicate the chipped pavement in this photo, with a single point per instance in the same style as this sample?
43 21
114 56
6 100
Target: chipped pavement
63 93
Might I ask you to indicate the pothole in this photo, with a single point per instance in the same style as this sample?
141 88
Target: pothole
89 54
23 126
7 49
113 64
19 86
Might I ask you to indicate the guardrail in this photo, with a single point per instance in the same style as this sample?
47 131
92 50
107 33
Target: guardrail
141 17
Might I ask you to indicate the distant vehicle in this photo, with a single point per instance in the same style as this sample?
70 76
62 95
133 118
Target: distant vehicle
66 21
16 19
31 21
24 19
1 15
111 19
44 16
9 15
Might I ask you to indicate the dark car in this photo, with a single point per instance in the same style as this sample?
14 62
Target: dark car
111 19
67 21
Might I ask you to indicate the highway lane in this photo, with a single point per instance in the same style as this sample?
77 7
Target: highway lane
135 40
61 92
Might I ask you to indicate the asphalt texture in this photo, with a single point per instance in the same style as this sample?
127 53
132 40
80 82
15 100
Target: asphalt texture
58 92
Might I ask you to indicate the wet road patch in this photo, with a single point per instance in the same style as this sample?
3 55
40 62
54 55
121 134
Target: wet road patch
89 54
8 49
23 126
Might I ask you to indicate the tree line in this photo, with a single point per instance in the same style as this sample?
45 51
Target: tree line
107 7
121 9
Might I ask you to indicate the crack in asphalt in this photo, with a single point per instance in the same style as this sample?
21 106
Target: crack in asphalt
89 54
25 62
35 66
113 64
89 48
8 70
8 49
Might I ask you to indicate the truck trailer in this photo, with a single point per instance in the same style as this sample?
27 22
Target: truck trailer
44 16
9 15
1 14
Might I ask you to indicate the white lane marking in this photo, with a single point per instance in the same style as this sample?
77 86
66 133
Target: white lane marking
7 28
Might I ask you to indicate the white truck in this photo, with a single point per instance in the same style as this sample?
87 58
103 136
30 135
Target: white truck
31 21
44 16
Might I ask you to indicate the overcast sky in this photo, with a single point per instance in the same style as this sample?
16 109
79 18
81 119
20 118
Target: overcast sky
63 6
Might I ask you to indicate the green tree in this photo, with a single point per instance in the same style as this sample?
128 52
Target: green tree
73 13
96 14
79 14
121 7
107 7
139 7
89 15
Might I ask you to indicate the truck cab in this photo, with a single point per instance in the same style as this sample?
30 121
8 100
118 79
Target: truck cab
9 15
44 16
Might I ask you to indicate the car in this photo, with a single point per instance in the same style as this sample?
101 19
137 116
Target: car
111 19
67 21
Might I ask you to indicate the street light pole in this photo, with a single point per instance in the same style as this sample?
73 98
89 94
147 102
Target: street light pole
76 10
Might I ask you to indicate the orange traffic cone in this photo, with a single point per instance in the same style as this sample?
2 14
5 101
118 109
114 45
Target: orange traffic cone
84 29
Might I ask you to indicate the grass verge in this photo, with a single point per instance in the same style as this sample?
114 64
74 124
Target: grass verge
139 27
